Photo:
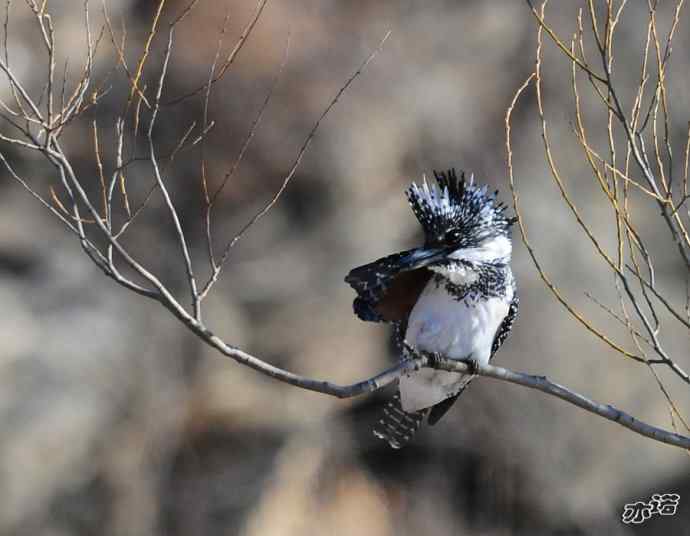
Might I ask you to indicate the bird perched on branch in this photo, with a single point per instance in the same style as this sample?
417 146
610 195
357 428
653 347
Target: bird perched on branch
455 296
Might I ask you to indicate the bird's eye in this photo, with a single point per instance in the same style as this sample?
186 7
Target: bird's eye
453 235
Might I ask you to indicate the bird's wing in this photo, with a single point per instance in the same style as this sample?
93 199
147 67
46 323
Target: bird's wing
504 329
388 288
440 409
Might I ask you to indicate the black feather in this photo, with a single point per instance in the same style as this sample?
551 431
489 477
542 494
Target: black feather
398 426
388 288
456 209
506 326
440 409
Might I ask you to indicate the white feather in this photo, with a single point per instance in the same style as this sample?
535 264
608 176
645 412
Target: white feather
440 323
497 248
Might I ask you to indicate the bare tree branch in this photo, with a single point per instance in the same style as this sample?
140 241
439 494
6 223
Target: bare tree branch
419 360
632 266
97 230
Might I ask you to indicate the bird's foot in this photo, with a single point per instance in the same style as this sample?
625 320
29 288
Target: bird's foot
433 358
472 364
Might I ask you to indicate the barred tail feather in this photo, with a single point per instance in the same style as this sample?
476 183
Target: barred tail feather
397 426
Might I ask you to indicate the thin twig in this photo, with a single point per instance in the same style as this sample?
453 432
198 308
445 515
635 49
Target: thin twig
236 163
267 207
229 60
182 241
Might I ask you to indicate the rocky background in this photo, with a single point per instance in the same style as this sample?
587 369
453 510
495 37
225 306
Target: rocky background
115 420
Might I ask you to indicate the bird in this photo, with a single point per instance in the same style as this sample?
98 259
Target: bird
455 296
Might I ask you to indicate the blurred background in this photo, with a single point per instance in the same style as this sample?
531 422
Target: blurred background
115 420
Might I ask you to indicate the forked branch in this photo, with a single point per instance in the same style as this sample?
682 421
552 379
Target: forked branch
38 125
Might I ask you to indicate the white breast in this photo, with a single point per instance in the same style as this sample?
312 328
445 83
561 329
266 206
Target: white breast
455 329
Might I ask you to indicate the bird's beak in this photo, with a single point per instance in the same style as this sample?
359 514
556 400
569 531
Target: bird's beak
422 257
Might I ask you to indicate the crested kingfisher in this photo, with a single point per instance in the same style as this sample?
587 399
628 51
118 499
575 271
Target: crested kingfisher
455 296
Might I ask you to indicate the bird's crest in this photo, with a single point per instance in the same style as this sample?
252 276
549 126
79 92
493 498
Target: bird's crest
456 209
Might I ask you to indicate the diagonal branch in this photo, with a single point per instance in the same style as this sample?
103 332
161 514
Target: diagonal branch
420 360
543 384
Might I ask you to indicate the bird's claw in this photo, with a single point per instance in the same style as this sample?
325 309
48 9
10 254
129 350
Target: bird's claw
433 358
472 364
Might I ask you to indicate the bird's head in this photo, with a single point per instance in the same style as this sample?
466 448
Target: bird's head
463 223
464 228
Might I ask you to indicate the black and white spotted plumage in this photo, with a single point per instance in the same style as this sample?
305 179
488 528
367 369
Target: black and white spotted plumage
455 295
397 426
506 326
457 211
